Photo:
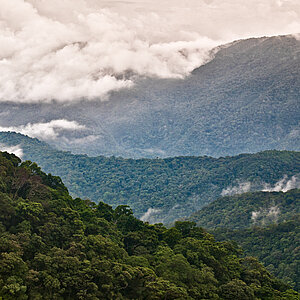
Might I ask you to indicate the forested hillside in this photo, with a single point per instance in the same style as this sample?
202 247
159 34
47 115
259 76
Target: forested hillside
265 224
159 190
244 100
56 247
276 245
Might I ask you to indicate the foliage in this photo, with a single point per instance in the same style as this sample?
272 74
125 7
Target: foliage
55 247
272 235
277 246
175 187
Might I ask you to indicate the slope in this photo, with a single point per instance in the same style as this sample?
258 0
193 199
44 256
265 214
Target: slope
276 245
265 224
158 190
56 247
245 100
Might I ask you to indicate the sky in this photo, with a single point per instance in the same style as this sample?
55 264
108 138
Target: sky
73 50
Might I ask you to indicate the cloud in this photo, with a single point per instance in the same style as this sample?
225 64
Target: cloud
83 49
242 187
283 185
151 215
265 216
45 131
16 150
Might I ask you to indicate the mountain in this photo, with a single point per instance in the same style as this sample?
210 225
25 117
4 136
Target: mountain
245 100
159 190
265 224
55 247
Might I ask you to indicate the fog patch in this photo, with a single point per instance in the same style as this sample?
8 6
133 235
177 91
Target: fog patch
283 185
16 150
151 215
83 49
242 187
265 216
46 131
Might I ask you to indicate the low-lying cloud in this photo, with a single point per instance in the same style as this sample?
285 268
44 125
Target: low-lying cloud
151 215
83 49
283 185
45 131
242 187
16 150
265 216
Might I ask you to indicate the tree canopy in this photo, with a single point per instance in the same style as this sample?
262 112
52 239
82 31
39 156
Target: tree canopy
53 246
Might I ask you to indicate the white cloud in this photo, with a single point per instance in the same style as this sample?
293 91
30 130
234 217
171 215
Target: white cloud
242 187
283 185
45 131
151 215
74 49
265 216
17 150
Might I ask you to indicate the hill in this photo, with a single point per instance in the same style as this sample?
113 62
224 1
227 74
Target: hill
265 224
158 190
244 100
276 245
56 247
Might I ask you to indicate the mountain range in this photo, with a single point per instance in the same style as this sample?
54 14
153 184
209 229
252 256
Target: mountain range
160 190
244 100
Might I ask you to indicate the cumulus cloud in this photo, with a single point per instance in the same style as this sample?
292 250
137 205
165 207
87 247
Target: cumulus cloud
83 49
16 150
242 187
283 185
45 131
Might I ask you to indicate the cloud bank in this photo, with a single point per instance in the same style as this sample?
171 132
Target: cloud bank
83 49
45 131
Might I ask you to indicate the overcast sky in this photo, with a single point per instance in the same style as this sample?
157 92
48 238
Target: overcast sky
72 49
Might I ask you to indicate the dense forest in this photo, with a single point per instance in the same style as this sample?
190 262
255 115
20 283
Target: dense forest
276 245
55 247
168 189
265 224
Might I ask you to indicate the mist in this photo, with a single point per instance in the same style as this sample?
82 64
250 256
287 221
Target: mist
265 216
242 187
75 50
283 185
151 215
16 150
46 131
